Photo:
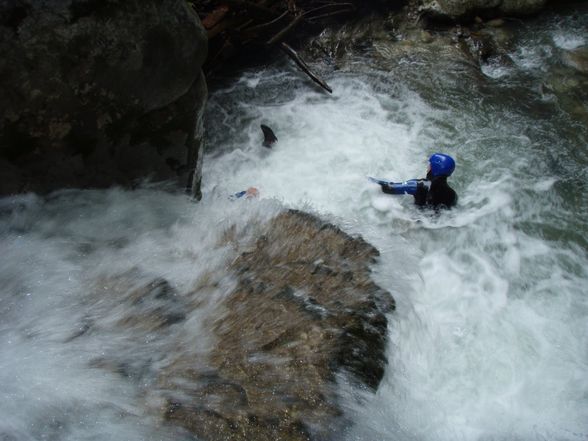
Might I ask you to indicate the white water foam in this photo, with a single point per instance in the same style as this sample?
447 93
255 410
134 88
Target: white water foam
68 369
485 343
489 340
569 42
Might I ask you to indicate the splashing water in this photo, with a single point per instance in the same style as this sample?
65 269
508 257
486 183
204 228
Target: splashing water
489 340
490 337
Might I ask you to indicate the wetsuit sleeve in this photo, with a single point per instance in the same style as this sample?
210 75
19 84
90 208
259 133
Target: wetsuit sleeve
408 187
238 195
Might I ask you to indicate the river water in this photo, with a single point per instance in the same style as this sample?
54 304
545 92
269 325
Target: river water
490 337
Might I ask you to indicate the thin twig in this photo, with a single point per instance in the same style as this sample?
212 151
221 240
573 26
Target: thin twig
330 5
300 62
330 14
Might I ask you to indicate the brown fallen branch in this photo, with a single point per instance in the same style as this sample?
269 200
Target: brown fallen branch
235 26
294 55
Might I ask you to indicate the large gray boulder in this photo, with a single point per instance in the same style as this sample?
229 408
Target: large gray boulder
99 92
459 9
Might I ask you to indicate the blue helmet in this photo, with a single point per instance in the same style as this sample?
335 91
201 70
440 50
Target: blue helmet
441 165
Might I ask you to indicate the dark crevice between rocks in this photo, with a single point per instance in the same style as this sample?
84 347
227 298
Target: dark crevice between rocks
243 35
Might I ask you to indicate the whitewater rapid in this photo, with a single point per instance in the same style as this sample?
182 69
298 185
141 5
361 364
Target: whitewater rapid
489 340
490 324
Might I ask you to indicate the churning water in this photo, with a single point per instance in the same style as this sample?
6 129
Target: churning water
490 337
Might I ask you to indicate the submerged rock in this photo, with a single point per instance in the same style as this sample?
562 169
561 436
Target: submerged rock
98 92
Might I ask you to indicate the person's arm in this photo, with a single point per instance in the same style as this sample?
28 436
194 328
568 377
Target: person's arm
408 187
251 192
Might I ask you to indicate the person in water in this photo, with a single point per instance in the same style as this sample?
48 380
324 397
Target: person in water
433 191
250 193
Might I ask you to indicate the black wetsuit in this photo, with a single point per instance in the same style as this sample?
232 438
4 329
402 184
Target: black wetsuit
431 192
438 195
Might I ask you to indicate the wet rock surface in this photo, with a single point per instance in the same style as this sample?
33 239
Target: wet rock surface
485 50
98 92
304 311
577 59
262 361
467 9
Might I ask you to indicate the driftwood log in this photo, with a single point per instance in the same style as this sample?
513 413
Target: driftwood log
259 26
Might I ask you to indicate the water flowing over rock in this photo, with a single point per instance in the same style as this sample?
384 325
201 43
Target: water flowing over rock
304 310
99 92
301 313
459 9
